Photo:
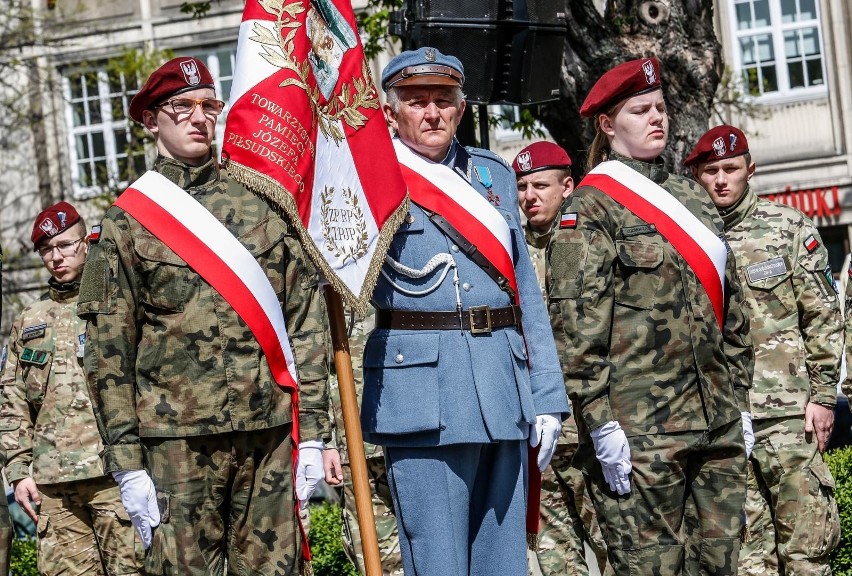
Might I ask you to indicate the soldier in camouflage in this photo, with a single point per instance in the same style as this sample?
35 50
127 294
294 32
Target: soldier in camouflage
797 330
656 358
193 422
47 423
5 521
386 529
567 517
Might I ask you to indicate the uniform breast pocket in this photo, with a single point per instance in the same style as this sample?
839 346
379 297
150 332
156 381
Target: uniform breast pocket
639 277
35 364
771 289
166 277
401 391
266 243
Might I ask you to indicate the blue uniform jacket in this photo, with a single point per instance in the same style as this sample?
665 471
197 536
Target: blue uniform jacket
436 387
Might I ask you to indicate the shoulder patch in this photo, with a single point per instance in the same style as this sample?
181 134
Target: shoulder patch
95 234
30 332
34 357
811 244
766 269
829 277
3 357
568 220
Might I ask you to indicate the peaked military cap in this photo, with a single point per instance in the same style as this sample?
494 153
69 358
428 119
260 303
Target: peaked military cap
625 80
176 76
423 67
718 143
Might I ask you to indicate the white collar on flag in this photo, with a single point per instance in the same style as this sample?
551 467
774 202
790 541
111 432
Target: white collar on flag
655 194
200 222
447 181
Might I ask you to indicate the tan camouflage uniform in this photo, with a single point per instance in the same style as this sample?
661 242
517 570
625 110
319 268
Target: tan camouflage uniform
567 517
797 330
182 388
46 421
641 345
386 530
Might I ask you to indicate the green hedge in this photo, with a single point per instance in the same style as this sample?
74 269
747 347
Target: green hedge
840 463
325 539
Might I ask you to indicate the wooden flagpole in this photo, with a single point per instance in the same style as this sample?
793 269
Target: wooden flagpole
354 439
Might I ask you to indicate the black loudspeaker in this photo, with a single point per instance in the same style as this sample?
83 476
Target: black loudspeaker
511 50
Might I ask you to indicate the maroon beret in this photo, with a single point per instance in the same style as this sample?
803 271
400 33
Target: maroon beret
54 220
540 156
717 144
174 77
625 80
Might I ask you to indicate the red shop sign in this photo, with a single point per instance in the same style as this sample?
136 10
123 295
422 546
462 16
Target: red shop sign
816 203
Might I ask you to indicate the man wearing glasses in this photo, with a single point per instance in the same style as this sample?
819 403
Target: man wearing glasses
47 423
196 428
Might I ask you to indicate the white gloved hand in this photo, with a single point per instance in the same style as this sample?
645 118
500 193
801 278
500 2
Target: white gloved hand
140 500
748 433
613 453
546 431
310 470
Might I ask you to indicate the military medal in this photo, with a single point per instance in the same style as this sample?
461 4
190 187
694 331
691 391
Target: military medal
483 174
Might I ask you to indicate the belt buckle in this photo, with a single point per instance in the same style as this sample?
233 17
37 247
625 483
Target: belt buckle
474 329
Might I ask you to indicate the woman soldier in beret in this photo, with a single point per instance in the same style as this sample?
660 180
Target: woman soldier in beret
644 303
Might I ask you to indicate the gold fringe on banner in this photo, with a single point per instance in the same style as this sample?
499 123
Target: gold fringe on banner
273 191
532 542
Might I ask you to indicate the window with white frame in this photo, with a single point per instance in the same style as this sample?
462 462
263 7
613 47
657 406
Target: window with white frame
97 100
778 47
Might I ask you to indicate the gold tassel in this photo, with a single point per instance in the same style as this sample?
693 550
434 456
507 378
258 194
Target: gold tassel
306 568
269 188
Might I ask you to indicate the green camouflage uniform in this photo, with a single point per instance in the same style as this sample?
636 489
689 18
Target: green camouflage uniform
182 388
567 517
5 521
640 345
46 421
797 330
386 530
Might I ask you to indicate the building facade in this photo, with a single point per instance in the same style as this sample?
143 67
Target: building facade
794 60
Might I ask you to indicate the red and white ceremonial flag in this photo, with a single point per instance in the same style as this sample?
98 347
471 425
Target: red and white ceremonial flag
305 129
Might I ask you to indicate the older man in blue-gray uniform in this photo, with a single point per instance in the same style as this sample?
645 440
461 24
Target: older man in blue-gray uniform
461 372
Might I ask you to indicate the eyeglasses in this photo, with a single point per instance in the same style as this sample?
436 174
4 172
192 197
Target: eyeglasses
186 106
65 248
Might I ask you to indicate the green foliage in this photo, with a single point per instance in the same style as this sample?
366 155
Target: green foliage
326 540
24 556
373 24
197 9
840 463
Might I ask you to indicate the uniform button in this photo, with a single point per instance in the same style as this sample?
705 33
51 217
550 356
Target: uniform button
454 248
399 358
466 287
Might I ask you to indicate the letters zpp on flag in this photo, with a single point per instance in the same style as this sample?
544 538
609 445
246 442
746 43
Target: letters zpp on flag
305 129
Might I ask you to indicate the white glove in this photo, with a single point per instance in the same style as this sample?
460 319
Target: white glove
310 470
140 500
748 433
613 453
546 431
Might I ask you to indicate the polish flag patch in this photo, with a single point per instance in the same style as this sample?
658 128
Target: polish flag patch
811 244
568 220
95 234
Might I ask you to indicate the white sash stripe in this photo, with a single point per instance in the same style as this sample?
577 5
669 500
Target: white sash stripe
712 245
200 222
460 191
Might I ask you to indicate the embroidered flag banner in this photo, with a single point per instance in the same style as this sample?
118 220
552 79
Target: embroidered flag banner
305 129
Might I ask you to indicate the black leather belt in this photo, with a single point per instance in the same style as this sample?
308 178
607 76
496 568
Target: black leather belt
477 319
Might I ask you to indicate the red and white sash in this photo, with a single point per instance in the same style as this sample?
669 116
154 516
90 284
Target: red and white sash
203 242
438 188
705 252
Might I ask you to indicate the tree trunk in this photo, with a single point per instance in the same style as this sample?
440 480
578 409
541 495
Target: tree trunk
679 33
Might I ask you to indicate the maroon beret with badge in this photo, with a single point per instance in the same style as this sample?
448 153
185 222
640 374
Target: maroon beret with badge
540 156
54 220
176 76
717 144
625 80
